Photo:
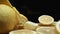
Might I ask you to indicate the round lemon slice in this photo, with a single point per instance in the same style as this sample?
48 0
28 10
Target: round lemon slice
58 26
45 30
46 19
23 31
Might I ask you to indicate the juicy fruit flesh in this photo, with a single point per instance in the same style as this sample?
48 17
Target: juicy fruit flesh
46 30
23 32
8 18
46 20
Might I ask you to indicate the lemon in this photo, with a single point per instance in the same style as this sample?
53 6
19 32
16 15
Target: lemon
58 26
23 31
8 18
6 2
46 30
21 18
30 25
46 19
54 23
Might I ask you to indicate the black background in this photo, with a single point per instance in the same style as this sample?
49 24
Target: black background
32 9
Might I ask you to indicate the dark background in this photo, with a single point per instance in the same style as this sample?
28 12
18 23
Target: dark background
32 9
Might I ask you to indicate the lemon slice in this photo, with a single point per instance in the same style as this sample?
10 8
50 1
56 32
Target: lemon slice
21 18
30 25
46 19
58 26
45 30
23 32
54 23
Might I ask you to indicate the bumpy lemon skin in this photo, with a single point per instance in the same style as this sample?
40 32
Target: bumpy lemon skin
8 18
22 18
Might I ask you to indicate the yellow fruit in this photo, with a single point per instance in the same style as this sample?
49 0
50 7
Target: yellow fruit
46 30
8 18
58 26
6 2
30 25
21 18
46 19
19 27
54 23
23 32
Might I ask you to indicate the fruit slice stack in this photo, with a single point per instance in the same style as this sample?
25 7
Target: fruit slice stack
10 19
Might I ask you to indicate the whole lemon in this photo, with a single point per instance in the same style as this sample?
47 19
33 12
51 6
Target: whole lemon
8 18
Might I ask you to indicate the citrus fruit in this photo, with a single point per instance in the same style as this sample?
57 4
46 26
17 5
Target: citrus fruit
30 25
8 18
58 26
46 19
21 18
46 30
23 32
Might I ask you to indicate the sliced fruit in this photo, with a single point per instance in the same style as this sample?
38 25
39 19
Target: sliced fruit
30 25
54 23
46 30
21 18
58 26
23 32
46 19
